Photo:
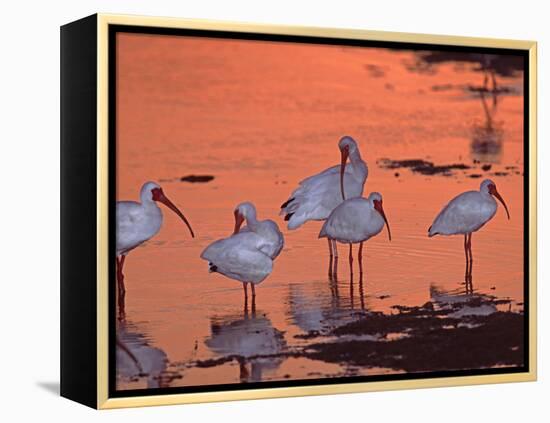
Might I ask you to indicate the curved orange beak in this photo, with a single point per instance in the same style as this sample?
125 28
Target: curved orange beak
345 154
158 195
493 191
239 219
378 207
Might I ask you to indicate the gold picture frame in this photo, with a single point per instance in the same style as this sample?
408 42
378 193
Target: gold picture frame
99 361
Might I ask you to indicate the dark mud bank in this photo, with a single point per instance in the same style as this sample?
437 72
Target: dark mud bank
422 166
432 342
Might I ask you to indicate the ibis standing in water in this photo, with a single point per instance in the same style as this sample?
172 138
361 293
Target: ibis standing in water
317 196
137 223
467 213
247 255
355 221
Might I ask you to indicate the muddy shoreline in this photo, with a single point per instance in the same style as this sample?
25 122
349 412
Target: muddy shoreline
433 344
448 333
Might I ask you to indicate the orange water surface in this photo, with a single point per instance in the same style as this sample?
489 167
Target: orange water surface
259 117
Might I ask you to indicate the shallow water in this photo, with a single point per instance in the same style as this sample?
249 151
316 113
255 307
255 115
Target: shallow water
260 117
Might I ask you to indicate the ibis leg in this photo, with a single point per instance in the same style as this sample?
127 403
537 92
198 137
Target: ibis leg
334 279
471 262
351 274
351 293
361 292
335 260
245 289
253 298
360 255
121 287
466 253
330 258
351 258
470 251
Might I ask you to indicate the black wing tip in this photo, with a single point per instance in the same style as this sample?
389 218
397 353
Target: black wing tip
288 216
213 267
430 234
286 203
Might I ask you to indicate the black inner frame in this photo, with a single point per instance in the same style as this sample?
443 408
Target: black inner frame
112 32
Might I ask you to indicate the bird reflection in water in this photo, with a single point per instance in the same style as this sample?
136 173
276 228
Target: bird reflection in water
462 303
315 309
253 341
334 283
486 145
487 62
333 276
361 273
136 360
361 291
311 313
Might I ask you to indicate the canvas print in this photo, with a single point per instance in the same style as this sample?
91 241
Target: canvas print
299 212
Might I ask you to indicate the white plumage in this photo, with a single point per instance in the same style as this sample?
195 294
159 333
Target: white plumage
239 257
467 212
318 195
355 220
247 255
137 223
268 230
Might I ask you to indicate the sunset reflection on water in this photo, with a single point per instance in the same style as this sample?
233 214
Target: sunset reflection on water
260 117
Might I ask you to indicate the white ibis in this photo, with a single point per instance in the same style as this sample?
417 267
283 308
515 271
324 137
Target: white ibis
467 213
267 229
137 223
318 195
246 256
355 221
